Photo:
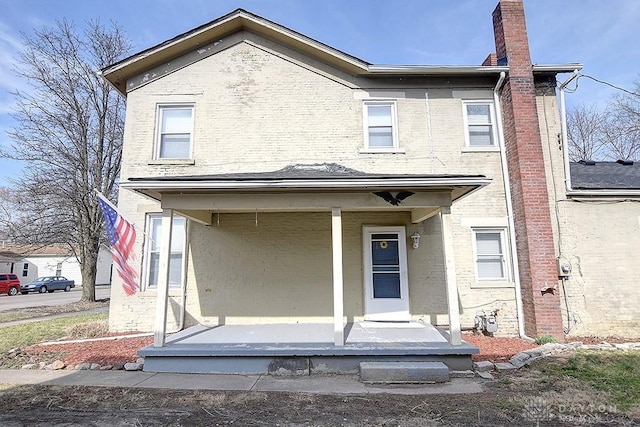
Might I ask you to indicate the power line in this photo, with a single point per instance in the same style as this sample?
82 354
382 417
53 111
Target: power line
601 82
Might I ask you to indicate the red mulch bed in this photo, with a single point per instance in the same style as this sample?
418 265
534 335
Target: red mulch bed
109 352
497 349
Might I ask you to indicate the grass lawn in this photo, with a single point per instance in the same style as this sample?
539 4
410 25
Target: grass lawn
36 332
615 373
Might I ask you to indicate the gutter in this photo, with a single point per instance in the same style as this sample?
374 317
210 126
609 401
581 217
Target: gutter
507 191
604 193
563 130
181 184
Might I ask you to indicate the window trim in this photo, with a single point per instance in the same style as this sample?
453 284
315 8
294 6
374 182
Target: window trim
160 108
146 253
492 123
394 126
502 231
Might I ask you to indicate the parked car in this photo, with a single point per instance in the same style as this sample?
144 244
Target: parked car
48 284
9 284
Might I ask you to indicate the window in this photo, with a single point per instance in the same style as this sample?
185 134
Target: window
480 122
58 269
25 269
175 125
152 251
490 254
380 125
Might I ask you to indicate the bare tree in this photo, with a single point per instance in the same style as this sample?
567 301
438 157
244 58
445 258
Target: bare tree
623 130
611 134
586 133
69 136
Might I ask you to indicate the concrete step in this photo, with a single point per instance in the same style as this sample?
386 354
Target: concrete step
404 372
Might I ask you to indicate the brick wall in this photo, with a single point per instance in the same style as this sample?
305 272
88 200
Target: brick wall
313 116
534 236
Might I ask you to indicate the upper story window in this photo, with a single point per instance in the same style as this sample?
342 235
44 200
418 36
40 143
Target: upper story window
490 254
380 125
480 122
175 132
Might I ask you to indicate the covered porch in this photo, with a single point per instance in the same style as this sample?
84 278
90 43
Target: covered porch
381 325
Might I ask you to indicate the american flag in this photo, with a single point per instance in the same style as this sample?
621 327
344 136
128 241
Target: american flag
122 237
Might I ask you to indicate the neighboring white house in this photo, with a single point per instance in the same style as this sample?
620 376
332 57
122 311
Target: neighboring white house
53 260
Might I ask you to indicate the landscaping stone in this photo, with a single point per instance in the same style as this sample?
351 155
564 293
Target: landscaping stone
484 374
133 366
94 366
106 367
504 367
28 366
462 374
83 366
118 366
483 366
55 366
41 365
623 346
519 360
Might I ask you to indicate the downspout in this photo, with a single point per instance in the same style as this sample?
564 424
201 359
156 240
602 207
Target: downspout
563 130
507 193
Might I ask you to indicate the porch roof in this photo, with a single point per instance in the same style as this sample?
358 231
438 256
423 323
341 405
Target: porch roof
327 177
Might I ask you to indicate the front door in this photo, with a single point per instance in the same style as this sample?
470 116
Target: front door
386 284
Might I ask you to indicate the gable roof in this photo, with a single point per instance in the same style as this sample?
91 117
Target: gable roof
118 74
605 176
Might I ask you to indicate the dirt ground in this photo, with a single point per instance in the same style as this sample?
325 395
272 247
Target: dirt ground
517 399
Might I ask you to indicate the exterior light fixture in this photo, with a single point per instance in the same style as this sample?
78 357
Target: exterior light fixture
415 238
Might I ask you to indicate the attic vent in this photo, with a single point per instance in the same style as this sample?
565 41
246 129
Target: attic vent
587 162
625 162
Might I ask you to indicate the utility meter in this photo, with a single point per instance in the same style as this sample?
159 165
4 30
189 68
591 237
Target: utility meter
564 267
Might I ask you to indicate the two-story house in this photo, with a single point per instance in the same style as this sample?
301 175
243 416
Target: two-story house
302 207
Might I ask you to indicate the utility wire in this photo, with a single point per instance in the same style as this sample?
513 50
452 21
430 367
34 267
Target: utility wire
602 82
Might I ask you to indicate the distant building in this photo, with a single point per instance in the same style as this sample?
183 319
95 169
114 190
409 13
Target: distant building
52 260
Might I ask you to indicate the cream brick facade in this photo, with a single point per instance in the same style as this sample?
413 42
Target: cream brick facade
600 237
260 106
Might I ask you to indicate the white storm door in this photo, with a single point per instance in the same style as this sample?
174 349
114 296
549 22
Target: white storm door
386 284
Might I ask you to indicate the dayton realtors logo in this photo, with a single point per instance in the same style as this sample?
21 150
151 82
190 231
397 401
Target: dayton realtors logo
538 410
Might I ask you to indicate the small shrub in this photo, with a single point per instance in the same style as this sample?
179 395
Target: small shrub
545 339
88 330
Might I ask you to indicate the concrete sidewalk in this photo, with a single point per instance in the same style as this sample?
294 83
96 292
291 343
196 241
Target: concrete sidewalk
318 384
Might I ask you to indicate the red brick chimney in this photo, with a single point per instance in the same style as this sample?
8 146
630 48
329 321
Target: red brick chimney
525 161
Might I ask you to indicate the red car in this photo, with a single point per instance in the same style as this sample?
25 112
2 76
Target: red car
9 284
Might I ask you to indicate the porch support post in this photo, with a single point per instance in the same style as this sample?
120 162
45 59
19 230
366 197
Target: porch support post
450 276
338 284
160 327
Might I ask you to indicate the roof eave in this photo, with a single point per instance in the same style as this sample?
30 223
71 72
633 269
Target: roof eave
301 184
556 68
459 186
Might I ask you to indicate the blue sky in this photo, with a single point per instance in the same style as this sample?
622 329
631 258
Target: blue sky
601 35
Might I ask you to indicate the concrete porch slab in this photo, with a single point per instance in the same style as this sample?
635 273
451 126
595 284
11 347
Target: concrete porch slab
300 349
